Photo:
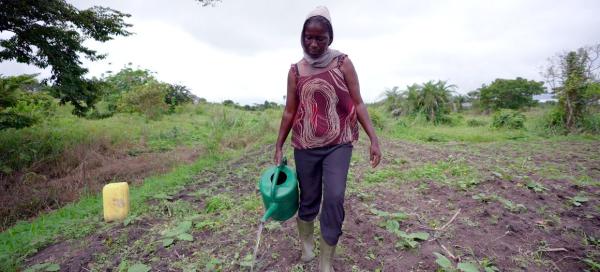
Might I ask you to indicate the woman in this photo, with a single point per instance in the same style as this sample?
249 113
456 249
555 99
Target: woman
322 109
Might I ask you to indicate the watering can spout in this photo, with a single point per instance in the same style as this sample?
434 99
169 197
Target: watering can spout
269 212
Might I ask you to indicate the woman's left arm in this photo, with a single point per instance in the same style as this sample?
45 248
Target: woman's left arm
361 110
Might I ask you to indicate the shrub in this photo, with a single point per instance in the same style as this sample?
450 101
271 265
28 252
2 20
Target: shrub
376 118
553 122
508 119
30 108
591 123
148 99
450 119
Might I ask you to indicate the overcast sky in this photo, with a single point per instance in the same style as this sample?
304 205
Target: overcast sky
242 49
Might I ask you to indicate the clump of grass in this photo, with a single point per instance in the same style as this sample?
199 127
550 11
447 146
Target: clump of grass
476 123
218 203
455 173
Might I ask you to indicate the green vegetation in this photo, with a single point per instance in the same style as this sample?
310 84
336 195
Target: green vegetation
52 34
574 81
509 94
508 119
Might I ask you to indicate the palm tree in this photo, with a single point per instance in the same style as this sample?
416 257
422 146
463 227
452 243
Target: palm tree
433 97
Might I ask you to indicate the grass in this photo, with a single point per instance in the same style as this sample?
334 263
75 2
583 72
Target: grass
223 132
78 219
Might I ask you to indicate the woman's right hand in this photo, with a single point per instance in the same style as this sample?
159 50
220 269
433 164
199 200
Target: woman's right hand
277 156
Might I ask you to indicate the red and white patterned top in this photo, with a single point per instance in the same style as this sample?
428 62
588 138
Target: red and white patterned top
326 114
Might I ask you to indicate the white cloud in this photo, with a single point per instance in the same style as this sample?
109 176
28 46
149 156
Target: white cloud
241 50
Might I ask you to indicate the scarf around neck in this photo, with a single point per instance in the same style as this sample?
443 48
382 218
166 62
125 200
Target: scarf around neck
323 60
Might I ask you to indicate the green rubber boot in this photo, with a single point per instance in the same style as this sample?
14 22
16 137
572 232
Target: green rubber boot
305 231
326 257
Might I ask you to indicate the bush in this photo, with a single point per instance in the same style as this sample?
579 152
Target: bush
508 119
553 122
30 108
450 119
376 118
476 123
591 123
148 99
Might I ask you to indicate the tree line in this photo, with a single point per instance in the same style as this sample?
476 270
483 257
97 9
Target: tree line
572 79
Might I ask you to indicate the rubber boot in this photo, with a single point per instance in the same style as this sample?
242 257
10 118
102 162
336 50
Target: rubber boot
305 231
326 257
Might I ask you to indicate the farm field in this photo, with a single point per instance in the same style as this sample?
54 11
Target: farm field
498 200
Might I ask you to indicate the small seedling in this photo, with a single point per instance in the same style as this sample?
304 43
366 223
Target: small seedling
578 200
447 266
536 187
397 216
483 197
178 233
405 240
512 207
410 240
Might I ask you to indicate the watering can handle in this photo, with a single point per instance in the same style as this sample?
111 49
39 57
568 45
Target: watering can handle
276 176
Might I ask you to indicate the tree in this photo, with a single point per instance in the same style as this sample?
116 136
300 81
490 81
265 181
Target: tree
19 106
51 33
432 99
394 100
114 86
177 95
574 79
458 101
510 93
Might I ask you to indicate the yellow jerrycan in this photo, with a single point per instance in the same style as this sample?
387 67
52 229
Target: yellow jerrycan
115 200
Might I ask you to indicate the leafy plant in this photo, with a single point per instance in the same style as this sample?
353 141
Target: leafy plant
410 240
512 207
508 119
447 266
405 240
536 187
396 216
178 233
578 200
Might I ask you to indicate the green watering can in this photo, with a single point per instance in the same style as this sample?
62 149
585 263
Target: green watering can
278 187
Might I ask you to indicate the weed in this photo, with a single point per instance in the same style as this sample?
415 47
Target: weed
218 203
378 176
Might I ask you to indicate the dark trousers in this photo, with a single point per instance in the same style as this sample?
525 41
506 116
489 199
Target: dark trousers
322 172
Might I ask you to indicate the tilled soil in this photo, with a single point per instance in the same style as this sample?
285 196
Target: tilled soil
500 221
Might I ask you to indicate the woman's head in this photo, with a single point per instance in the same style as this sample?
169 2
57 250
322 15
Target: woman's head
317 33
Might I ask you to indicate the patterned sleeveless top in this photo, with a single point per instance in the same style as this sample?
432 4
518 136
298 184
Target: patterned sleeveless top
326 114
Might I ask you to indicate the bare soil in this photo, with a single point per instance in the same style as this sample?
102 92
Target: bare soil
515 229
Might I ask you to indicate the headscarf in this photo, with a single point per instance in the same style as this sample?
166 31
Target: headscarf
324 59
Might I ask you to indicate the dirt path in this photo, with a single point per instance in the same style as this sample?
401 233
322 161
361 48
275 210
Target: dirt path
510 206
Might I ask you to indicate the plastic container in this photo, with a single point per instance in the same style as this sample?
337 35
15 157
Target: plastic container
115 200
278 187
